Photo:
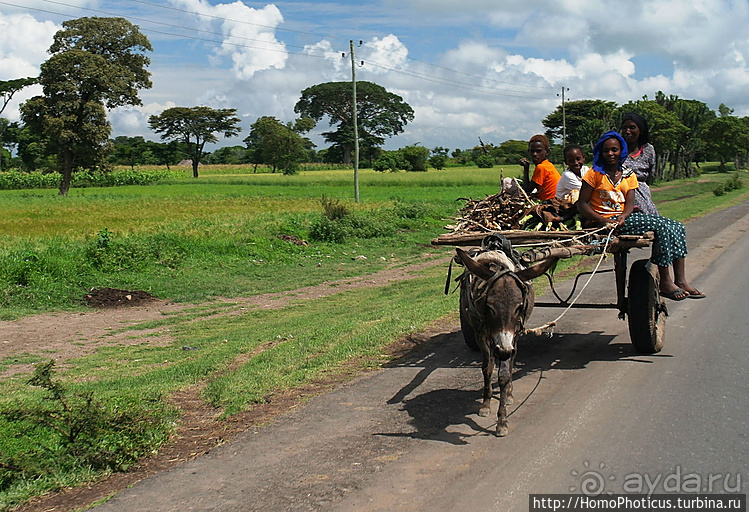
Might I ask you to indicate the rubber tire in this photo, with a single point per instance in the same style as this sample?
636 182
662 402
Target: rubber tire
646 315
469 335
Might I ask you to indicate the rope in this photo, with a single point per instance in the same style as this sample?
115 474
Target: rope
557 242
538 330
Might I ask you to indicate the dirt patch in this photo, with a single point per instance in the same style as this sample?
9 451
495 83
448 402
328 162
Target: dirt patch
114 298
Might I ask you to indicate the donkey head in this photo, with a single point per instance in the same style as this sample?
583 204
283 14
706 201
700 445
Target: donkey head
502 298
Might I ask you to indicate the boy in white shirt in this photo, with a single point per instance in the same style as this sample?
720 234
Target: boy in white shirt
569 184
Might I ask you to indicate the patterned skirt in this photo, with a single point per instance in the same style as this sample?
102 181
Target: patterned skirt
670 242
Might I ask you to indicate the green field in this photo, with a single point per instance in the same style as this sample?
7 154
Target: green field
197 240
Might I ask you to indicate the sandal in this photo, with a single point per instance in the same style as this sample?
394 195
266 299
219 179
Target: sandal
696 294
677 294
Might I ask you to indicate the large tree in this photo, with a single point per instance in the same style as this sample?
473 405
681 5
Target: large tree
195 126
726 138
584 121
279 145
379 113
96 64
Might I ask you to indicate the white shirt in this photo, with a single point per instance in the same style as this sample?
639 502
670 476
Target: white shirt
570 182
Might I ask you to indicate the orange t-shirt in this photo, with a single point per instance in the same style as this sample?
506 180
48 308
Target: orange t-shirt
607 199
546 176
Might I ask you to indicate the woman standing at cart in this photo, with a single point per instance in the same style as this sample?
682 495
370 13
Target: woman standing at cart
607 198
640 158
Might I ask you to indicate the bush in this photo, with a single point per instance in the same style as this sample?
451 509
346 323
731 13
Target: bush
484 162
415 158
77 430
389 161
719 190
438 161
15 180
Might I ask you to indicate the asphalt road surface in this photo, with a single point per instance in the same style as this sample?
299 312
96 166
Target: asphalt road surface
590 414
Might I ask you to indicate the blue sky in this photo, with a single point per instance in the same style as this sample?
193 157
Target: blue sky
469 68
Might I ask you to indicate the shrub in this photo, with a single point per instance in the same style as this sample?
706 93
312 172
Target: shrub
415 158
484 162
719 190
77 430
333 209
438 161
389 161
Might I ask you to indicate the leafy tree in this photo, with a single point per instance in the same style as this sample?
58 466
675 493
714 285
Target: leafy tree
415 158
279 145
195 126
665 130
726 137
389 161
230 155
130 151
96 63
511 151
9 87
169 153
380 114
437 161
585 121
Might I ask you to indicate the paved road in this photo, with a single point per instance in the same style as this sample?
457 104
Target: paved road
407 438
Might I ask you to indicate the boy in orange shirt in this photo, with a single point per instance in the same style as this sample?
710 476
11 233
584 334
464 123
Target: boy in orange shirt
543 184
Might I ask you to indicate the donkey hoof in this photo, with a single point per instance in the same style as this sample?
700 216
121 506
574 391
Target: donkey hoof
509 400
502 430
484 411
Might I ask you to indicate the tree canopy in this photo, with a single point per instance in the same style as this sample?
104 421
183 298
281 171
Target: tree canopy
195 126
380 113
96 63
279 145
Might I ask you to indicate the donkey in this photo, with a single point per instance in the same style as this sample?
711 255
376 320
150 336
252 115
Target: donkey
496 297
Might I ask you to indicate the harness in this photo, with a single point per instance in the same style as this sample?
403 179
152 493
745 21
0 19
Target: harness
476 306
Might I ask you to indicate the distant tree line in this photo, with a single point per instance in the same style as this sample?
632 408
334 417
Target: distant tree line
98 64
683 132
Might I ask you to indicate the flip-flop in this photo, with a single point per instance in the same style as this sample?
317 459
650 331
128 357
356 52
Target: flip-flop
676 295
696 294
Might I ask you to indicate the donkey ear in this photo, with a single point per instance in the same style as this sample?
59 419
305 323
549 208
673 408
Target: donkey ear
473 266
536 270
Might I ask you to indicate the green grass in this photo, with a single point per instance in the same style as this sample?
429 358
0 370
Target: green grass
196 240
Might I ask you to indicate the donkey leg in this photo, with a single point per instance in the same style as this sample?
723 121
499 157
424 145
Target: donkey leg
505 392
505 378
487 368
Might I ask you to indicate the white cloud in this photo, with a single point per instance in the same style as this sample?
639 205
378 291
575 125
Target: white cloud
23 47
249 34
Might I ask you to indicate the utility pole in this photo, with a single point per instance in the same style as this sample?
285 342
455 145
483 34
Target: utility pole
356 127
564 120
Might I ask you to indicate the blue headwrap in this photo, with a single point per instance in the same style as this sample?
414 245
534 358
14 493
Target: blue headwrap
598 164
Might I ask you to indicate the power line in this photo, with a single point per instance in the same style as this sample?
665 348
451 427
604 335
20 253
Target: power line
307 51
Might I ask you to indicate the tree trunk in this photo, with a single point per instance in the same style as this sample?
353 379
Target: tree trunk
195 163
67 172
346 154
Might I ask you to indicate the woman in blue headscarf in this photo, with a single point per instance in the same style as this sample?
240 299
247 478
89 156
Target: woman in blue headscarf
607 198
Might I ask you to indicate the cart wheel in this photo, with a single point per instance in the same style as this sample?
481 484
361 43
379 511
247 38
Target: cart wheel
469 335
647 315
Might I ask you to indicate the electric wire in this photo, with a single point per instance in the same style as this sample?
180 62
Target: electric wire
306 50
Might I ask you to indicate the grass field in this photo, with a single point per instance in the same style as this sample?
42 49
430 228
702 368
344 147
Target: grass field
195 240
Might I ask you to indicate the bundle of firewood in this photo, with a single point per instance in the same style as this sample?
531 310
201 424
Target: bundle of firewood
504 211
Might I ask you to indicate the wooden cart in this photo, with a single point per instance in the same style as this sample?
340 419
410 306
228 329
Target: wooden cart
638 298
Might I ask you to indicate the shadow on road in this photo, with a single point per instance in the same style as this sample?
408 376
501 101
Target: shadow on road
449 412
